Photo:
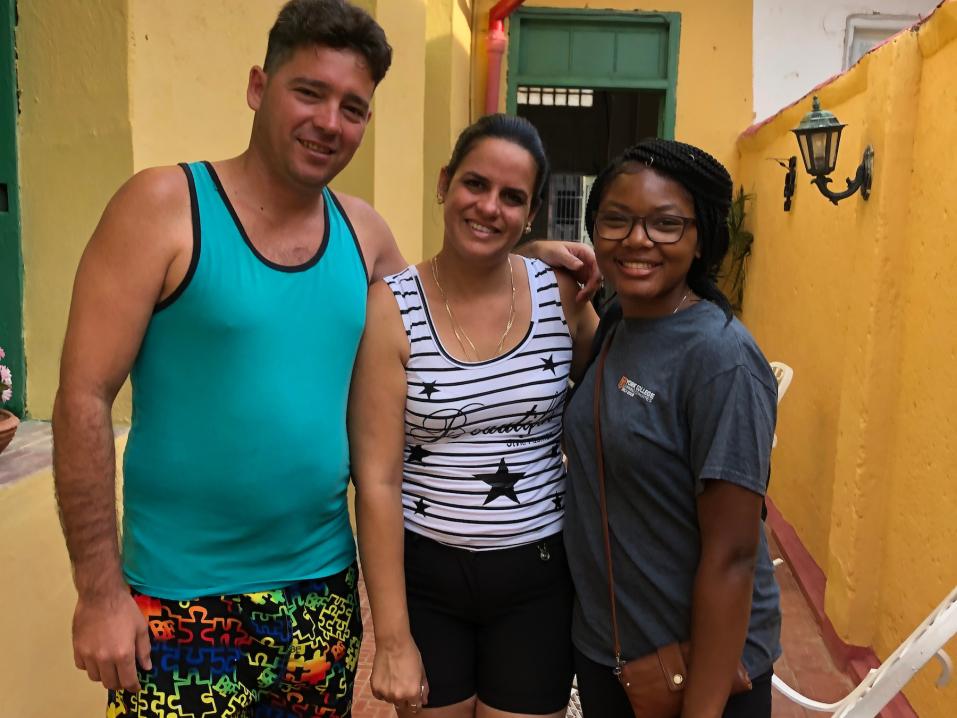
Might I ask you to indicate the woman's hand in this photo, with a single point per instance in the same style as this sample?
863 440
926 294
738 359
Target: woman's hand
398 675
578 258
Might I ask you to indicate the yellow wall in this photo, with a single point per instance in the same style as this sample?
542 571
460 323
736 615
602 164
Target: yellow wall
188 93
357 178
857 298
400 124
448 54
419 110
188 66
75 151
188 102
786 271
918 553
714 93
37 676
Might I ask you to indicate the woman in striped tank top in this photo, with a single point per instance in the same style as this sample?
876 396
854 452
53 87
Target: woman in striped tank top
455 424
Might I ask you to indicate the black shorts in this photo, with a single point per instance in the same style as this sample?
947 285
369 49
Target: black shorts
496 624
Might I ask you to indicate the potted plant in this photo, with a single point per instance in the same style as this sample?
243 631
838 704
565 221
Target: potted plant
8 421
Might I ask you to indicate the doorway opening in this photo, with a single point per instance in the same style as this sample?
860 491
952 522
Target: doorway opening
593 82
583 129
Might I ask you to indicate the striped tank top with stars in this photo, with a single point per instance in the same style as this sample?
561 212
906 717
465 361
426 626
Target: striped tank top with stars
483 464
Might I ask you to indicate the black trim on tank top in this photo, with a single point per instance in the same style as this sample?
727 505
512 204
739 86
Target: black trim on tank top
197 242
355 237
242 231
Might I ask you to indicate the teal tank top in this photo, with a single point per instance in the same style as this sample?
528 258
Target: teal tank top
237 462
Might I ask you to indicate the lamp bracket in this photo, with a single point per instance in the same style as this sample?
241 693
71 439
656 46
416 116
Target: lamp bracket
862 180
789 180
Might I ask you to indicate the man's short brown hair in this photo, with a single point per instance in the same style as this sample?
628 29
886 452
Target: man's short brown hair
337 24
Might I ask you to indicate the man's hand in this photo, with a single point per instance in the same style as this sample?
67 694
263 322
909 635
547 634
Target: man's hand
110 636
578 258
398 676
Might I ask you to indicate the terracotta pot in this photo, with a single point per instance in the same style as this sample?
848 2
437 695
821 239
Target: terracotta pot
8 427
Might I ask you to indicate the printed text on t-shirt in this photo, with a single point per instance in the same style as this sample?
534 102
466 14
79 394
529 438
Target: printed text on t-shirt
627 386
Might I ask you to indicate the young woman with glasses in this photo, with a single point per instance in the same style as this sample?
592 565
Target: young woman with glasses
687 414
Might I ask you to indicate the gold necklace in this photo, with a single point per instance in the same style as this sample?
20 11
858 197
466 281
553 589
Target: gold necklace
678 305
459 330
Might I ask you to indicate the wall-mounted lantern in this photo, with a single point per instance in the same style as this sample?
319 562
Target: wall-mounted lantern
819 137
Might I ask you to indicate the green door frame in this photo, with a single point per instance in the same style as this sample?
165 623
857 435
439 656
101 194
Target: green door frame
672 19
11 259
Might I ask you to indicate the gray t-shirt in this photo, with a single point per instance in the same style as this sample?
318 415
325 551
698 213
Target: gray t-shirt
685 398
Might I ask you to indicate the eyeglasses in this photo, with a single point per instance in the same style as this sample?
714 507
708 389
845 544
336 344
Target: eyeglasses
659 228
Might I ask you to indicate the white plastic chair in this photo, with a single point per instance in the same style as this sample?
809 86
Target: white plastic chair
784 374
881 684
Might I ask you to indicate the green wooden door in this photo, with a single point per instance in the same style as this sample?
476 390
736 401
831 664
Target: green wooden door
598 49
11 263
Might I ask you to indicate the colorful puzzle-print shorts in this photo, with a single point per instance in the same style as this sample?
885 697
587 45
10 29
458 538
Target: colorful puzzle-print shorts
287 653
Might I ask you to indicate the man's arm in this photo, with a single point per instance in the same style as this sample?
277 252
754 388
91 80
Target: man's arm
122 274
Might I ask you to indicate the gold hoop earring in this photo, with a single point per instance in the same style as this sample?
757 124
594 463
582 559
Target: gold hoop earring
439 198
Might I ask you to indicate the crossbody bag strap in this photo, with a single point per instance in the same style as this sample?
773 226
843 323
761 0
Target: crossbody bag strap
603 502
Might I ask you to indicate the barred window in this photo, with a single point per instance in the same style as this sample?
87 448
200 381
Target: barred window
555 96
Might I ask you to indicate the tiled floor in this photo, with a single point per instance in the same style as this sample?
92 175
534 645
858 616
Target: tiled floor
32 450
806 664
28 453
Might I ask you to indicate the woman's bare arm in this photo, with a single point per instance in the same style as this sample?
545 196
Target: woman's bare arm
377 444
729 519
582 322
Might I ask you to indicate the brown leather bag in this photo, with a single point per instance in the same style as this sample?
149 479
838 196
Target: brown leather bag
655 682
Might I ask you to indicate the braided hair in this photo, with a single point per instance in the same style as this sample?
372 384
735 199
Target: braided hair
710 186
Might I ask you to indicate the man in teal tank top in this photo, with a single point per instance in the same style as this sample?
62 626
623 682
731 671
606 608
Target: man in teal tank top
233 293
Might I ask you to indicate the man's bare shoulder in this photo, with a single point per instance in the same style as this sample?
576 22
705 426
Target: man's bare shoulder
362 214
156 188
147 227
154 201
375 238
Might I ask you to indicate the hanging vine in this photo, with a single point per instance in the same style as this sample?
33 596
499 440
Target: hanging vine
734 272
